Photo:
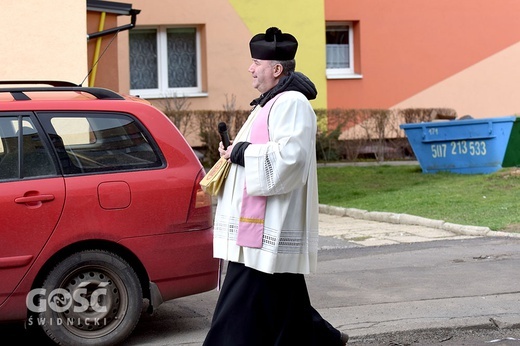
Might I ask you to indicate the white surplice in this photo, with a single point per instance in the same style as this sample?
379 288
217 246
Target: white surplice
284 170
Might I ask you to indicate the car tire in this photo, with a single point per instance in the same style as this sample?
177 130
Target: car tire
92 297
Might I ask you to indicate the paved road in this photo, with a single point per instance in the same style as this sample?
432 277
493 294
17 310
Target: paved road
383 283
384 295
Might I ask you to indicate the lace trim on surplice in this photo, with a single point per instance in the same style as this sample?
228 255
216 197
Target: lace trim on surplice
274 241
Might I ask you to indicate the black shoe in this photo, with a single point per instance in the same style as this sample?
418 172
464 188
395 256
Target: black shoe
344 338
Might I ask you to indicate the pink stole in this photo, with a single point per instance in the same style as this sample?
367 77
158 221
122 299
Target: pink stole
252 214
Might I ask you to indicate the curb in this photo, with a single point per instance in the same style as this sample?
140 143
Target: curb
406 219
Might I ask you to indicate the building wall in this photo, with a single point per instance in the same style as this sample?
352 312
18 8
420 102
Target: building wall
225 40
457 54
228 27
41 43
305 19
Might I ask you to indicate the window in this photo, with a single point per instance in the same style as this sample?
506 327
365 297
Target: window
98 142
34 160
165 61
340 50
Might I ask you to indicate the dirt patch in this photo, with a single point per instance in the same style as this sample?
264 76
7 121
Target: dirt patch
513 228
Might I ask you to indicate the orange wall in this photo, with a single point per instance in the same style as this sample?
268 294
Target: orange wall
407 46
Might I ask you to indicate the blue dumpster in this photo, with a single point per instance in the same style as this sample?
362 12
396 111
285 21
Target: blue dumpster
471 146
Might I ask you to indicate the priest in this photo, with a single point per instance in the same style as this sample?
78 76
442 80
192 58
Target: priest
266 219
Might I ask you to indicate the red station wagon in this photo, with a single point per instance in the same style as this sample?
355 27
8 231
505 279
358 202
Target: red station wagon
101 212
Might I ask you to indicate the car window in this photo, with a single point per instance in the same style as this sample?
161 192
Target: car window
34 159
100 142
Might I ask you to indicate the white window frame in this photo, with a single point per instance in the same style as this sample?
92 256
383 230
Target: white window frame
344 73
163 91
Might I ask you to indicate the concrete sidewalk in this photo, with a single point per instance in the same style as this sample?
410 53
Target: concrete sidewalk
381 228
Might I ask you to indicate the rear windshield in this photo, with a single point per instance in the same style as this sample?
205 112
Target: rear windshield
97 142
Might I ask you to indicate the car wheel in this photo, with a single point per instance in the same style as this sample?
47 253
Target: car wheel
92 298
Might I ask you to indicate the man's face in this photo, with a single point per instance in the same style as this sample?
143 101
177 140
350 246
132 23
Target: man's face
264 76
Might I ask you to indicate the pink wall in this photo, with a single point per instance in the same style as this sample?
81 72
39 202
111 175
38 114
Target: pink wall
407 46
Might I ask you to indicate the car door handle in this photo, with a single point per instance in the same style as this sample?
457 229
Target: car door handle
32 199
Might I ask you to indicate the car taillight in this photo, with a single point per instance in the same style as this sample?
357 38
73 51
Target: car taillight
201 210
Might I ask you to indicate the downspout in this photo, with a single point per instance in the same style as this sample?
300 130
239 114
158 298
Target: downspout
97 50
101 32
132 13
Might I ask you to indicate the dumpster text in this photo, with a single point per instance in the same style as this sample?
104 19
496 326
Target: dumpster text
454 148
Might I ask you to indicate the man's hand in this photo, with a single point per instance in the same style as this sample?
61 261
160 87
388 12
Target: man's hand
225 153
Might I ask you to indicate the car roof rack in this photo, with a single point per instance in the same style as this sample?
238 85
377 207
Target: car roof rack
18 93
